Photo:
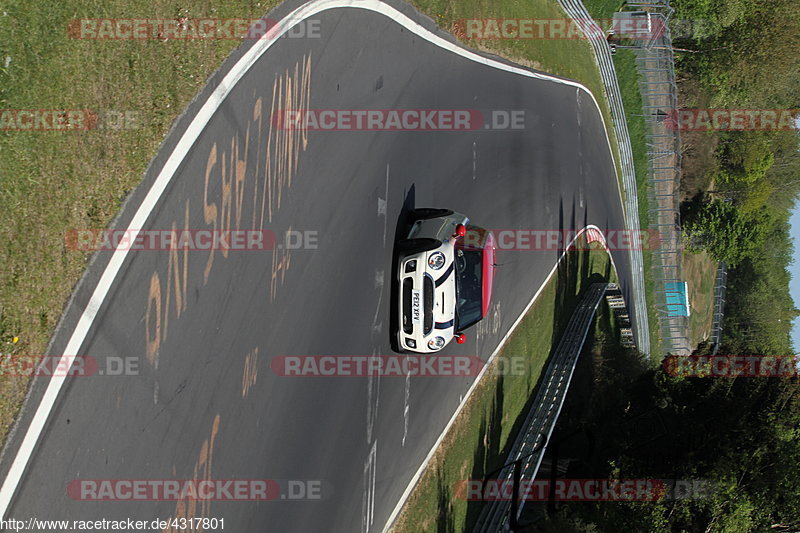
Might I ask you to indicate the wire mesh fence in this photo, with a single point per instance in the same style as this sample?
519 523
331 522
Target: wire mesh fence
656 65
720 286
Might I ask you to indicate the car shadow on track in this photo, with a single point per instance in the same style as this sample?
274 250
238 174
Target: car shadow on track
400 231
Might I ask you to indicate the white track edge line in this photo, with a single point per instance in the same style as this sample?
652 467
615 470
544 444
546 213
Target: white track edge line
187 140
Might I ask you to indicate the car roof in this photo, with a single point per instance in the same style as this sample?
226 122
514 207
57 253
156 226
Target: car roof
478 238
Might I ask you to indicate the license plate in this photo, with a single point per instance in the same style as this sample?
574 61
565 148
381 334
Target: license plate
416 307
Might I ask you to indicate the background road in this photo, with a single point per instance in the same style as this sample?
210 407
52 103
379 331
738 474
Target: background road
205 402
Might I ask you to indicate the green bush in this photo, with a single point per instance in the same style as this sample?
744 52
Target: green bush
726 232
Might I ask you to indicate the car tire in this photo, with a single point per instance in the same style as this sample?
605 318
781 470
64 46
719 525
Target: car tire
425 213
415 246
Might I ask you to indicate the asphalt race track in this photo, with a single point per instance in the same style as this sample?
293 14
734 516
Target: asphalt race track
203 328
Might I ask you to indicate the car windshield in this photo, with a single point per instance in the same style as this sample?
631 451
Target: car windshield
468 287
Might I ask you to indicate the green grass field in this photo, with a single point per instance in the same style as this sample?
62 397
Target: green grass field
700 271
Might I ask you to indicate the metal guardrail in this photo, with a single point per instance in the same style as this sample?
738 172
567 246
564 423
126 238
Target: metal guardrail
596 38
530 443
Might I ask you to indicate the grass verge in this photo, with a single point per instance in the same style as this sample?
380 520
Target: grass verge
700 271
628 78
481 436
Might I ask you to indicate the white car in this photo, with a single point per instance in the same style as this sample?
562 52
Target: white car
445 270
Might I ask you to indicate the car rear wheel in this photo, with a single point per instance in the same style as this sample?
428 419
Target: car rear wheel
425 213
415 246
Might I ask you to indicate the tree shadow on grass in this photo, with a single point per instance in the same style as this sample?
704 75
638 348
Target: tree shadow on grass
573 271
487 455
445 521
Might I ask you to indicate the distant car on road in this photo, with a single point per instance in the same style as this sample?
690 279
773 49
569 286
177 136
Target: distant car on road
445 270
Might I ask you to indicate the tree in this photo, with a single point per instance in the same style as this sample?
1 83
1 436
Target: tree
745 157
726 232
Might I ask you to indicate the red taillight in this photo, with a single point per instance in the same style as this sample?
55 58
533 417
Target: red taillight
461 338
461 230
